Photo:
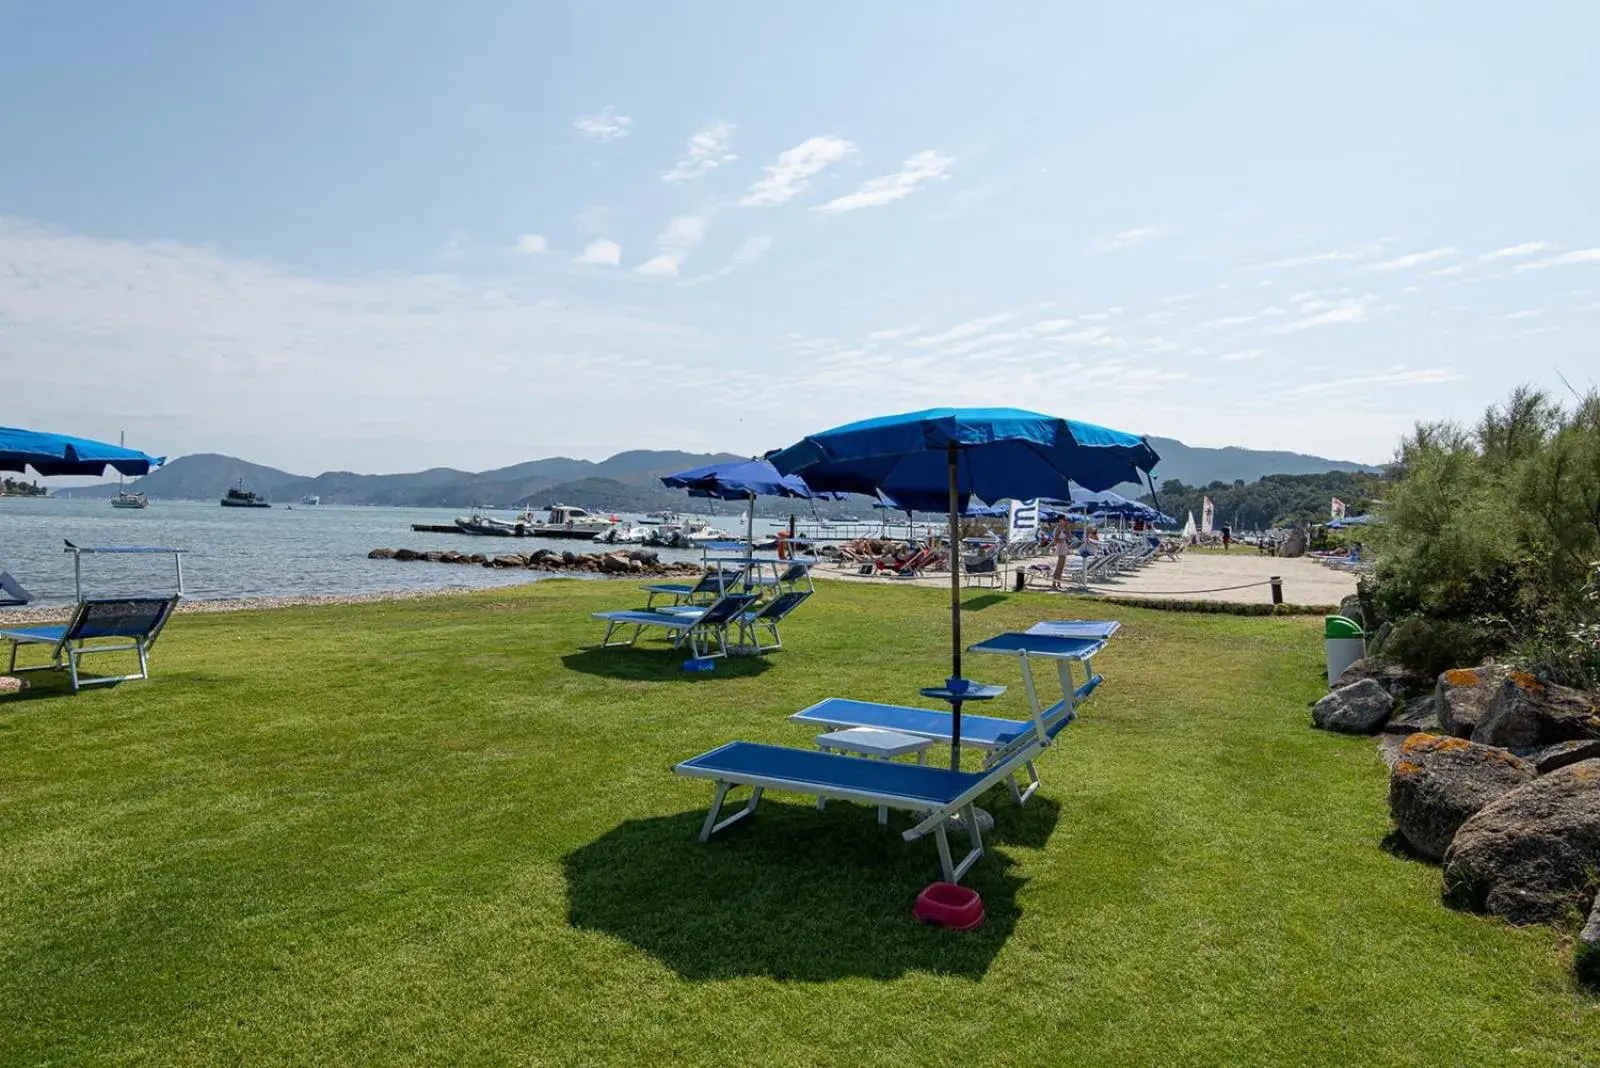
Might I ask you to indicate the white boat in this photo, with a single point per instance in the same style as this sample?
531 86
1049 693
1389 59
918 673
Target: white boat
682 526
655 519
125 498
570 521
711 534
623 534
311 499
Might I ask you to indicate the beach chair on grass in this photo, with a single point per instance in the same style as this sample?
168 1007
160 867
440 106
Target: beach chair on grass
702 630
932 794
712 584
769 615
98 625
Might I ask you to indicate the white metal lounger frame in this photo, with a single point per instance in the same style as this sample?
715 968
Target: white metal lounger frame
1019 750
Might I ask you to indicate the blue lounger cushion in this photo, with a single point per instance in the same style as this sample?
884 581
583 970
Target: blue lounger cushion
1041 645
36 635
986 732
645 617
809 771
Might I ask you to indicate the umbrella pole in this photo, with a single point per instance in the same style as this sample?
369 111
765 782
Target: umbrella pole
955 611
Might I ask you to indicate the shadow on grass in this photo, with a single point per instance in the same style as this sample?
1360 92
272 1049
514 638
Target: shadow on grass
793 893
44 685
644 664
979 603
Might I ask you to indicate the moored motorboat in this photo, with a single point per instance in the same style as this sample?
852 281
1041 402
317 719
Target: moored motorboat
239 497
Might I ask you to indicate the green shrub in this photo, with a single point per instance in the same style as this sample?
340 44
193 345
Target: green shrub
1429 647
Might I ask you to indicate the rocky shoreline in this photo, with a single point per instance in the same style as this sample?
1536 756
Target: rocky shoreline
638 562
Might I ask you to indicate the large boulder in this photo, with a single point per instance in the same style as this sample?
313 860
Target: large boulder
1526 712
1438 782
1293 544
1548 758
1355 709
1588 956
1419 716
405 554
1464 697
381 554
1391 676
507 560
614 563
1530 855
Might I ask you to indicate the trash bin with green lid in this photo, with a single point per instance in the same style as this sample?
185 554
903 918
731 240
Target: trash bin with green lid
1346 643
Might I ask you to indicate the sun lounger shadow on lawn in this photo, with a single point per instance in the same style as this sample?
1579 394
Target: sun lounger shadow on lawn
796 894
982 601
663 664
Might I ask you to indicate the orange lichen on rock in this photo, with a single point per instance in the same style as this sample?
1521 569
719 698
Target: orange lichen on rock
1462 677
1526 681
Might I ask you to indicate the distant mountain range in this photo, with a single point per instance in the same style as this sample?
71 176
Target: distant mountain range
626 482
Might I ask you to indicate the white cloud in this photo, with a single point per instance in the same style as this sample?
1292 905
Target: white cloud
1527 313
970 328
532 243
1583 255
1395 377
1227 320
706 151
1129 237
919 169
1333 256
892 333
676 241
1510 252
747 253
1349 313
1413 259
603 125
788 178
1444 272
603 252
1242 355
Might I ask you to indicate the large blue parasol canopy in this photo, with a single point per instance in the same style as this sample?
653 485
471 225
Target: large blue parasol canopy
58 454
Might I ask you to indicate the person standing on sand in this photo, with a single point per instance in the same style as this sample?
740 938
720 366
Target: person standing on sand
1227 536
1061 545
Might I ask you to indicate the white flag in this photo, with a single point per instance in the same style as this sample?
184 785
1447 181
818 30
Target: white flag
1208 515
1337 511
1024 521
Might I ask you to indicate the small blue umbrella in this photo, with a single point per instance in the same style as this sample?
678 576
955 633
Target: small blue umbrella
58 454
738 480
940 458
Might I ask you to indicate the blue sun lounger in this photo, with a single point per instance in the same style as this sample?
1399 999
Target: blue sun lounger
934 794
700 629
98 625
713 584
1077 628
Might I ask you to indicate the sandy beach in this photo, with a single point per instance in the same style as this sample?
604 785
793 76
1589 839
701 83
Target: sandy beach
1241 577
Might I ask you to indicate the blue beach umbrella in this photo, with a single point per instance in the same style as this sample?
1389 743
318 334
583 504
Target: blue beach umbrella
941 458
58 454
738 480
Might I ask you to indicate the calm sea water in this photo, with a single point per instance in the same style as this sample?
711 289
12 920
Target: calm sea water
239 552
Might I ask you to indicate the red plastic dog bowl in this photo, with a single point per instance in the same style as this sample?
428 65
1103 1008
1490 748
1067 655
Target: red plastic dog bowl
949 905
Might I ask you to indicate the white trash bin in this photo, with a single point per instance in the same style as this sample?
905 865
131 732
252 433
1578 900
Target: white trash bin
1346 643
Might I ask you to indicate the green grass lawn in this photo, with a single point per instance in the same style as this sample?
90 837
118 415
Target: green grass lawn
446 831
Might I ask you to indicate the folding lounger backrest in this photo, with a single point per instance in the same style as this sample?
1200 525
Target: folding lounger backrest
780 606
120 617
795 573
725 609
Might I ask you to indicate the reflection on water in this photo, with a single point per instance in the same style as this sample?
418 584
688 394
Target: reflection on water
236 552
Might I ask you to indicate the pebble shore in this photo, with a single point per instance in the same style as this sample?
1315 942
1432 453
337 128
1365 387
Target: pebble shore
59 613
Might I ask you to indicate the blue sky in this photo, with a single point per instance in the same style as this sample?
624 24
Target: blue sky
384 236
